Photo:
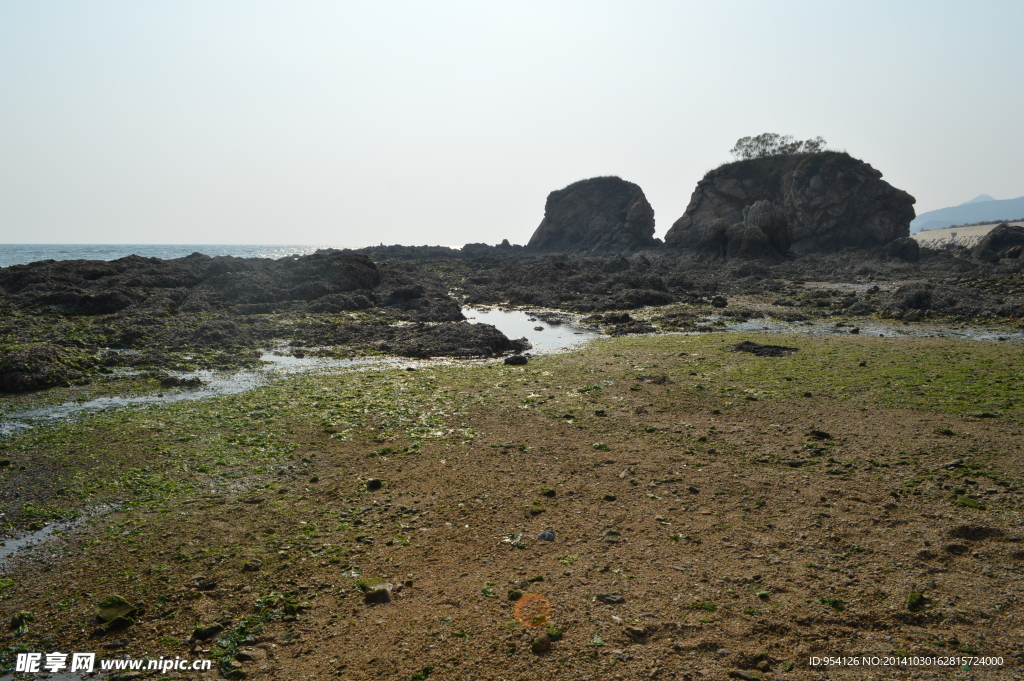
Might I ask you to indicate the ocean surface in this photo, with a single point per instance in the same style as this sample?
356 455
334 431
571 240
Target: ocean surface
21 254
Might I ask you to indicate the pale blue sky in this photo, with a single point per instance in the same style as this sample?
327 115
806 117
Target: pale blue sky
449 122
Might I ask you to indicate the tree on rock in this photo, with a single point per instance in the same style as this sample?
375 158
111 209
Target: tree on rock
773 144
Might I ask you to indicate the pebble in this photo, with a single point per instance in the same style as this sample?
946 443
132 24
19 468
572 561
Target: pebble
546 535
541 645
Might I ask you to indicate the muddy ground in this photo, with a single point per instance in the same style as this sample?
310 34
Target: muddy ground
717 513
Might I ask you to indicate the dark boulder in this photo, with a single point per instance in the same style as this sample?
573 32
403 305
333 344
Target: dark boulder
1003 241
905 248
830 201
454 339
599 215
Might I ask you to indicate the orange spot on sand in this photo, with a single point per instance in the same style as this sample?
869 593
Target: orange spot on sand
532 610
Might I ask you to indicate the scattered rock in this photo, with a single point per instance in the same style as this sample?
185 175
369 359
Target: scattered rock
169 381
636 634
547 535
206 633
111 608
541 645
374 484
516 360
905 248
611 598
746 675
202 583
118 624
375 591
1002 241
916 601
764 350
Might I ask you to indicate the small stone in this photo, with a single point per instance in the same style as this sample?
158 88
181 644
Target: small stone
111 608
541 645
746 675
516 360
546 535
636 634
611 599
202 583
252 566
374 484
206 633
719 301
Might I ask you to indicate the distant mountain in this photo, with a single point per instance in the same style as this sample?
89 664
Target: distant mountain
981 209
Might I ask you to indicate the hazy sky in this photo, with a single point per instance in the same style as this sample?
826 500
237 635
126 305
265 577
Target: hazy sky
449 122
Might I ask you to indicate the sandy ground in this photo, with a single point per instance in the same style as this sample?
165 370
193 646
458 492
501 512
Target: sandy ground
953 232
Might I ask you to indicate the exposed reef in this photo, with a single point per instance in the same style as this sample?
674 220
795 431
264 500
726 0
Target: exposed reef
64 321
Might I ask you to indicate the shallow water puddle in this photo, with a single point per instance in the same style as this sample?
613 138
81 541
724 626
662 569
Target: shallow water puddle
9 547
548 331
214 384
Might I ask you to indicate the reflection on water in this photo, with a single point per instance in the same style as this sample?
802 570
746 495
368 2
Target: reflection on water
548 331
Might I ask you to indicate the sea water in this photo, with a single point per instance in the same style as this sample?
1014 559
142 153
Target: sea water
22 254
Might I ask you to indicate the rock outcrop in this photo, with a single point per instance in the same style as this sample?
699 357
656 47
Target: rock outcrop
763 233
1003 241
830 201
599 215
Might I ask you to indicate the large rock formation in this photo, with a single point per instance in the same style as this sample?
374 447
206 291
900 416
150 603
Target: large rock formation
829 200
599 215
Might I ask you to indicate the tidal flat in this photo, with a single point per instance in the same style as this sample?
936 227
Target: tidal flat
713 511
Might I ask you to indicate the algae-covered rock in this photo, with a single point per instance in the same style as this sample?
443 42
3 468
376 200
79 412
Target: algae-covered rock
205 633
375 590
109 609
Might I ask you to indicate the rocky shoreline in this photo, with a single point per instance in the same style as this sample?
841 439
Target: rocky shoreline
73 321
